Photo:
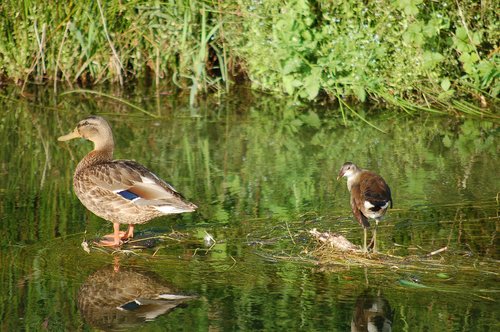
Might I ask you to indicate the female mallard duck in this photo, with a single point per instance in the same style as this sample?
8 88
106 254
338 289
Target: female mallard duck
120 191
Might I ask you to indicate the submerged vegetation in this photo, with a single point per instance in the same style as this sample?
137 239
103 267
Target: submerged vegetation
409 53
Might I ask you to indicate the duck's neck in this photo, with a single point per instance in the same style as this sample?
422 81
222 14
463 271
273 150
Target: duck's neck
95 157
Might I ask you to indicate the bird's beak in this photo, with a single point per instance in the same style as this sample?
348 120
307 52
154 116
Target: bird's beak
73 134
341 174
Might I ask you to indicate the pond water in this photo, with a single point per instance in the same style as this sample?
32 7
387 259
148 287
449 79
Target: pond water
263 173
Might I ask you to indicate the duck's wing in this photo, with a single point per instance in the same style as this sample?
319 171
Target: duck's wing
131 181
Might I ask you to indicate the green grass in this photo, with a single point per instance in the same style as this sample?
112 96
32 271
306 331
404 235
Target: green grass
413 54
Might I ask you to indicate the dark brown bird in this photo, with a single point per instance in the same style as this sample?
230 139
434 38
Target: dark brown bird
370 197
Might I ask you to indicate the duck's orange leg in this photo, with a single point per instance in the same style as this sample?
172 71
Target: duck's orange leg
130 232
113 240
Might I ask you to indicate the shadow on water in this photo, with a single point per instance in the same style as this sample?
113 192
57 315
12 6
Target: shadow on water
262 172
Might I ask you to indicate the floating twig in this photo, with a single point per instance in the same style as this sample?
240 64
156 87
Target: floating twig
435 252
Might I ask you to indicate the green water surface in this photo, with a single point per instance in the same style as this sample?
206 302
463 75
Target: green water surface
263 173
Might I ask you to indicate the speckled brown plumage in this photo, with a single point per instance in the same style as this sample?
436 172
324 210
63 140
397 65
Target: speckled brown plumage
95 185
120 191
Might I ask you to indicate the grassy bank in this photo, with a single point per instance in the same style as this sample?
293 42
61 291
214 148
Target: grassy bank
409 53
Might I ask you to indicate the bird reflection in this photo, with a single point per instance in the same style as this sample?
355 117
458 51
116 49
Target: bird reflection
372 314
115 298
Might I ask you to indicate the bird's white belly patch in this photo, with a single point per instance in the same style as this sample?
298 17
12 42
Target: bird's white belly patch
368 205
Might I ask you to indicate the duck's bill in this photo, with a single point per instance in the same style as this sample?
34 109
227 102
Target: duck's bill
73 134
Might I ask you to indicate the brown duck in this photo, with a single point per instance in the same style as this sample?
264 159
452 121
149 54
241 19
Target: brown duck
370 197
120 191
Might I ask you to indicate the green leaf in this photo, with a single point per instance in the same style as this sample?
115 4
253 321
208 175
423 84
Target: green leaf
447 141
476 38
432 59
468 60
411 284
445 84
414 34
311 119
461 41
360 92
409 6
432 27
311 83
290 84
291 65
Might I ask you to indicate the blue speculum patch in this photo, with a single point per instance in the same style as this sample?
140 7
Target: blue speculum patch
127 195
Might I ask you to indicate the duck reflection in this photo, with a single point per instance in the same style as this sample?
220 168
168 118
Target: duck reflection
372 314
117 298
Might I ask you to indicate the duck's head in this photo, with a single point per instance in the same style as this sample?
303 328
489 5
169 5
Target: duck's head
95 129
348 170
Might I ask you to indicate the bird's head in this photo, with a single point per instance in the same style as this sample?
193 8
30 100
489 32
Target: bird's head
348 170
93 128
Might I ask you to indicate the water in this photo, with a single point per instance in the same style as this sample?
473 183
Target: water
262 172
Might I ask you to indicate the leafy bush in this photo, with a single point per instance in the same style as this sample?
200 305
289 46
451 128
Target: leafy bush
405 52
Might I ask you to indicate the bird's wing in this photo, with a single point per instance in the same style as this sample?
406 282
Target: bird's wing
357 201
134 182
374 189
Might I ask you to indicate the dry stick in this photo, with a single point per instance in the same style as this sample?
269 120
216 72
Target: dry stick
289 233
40 43
59 57
157 68
120 68
435 252
39 54
157 81
234 263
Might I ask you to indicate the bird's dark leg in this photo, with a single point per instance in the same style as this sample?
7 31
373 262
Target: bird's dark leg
365 231
363 221
374 238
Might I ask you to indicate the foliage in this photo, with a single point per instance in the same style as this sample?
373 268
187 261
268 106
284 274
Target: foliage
405 52
389 50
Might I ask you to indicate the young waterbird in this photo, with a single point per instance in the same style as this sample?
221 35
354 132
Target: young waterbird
370 197
120 191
